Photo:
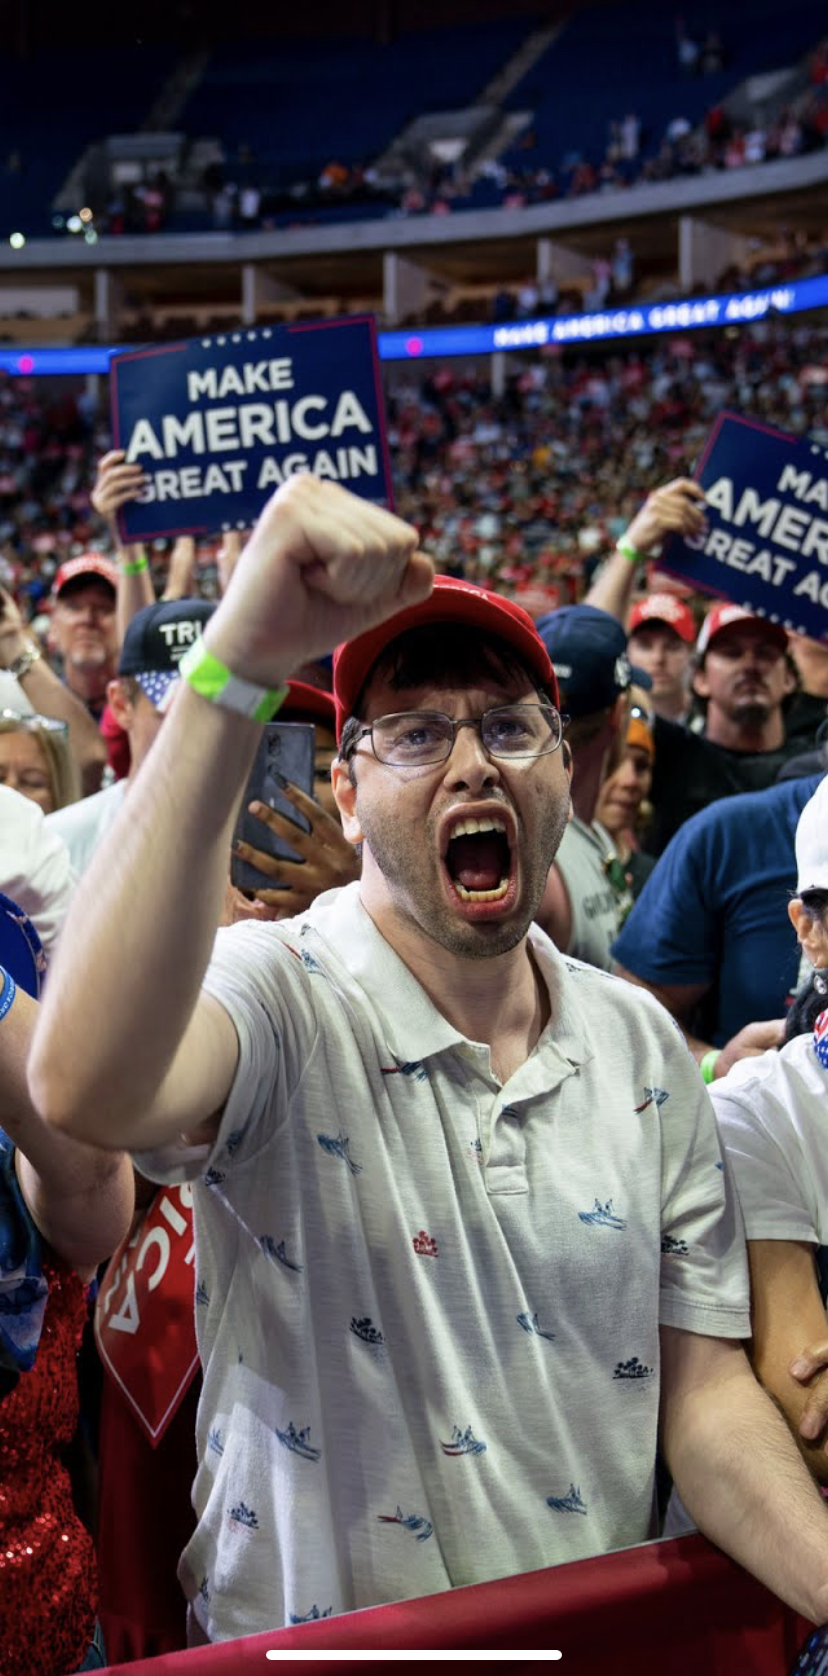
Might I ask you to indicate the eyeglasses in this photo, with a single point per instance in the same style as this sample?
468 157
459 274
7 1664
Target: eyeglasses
27 718
420 738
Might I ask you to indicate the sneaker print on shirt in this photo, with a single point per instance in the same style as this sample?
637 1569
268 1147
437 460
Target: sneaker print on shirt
413 1522
215 1441
311 1617
602 1216
463 1443
529 1323
633 1369
298 1442
337 1146
424 1245
572 1502
202 1296
653 1097
271 1249
214 1178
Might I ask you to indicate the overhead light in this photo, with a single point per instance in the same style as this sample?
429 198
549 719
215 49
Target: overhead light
17 240
86 214
74 224
90 236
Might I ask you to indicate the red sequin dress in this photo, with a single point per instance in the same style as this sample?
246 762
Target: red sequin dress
47 1566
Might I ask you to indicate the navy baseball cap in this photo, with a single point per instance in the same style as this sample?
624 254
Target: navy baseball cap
588 649
156 640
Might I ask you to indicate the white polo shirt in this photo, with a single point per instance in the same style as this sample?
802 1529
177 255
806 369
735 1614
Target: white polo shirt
428 1305
772 1112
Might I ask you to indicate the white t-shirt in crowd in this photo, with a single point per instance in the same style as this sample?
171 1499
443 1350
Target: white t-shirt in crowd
82 825
772 1112
428 1305
35 870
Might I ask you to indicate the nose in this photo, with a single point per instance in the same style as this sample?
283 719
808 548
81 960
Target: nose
469 765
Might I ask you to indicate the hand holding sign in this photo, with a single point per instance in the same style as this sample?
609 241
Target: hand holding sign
675 508
321 566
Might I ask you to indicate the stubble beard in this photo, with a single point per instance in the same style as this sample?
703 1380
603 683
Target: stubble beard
403 858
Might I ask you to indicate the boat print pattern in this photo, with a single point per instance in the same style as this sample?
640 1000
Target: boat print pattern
572 1502
463 1443
419 1527
529 1323
298 1442
278 1252
337 1146
602 1216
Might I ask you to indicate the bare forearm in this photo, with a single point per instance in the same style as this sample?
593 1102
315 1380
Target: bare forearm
80 1198
49 697
134 591
140 931
741 1477
612 589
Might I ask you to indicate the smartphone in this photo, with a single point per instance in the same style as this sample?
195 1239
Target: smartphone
286 749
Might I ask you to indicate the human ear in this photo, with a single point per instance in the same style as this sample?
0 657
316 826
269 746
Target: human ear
811 933
345 792
119 703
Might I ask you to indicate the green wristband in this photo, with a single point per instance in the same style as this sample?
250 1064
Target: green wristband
211 679
625 547
134 567
707 1064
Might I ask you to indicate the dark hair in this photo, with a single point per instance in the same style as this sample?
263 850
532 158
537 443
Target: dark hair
438 655
806 1007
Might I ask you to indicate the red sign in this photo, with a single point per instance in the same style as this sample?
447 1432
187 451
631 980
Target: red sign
145 1314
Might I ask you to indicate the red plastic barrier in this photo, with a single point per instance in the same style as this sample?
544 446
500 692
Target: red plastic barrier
679 1608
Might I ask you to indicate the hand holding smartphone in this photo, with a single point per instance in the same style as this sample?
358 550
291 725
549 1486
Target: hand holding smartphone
286 753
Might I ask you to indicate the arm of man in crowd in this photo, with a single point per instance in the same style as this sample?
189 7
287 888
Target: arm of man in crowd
80 1198
49 697
676 506
787 1313
116 483
682 1000
181 574
158 1058
738 1470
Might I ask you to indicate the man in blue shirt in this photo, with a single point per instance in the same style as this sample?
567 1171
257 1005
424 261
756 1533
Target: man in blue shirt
710 935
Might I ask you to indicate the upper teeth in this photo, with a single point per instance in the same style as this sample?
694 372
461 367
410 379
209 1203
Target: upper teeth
462 828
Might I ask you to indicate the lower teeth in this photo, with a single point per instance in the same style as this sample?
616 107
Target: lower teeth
482 895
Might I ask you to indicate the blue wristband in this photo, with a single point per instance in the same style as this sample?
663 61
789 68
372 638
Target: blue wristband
7 992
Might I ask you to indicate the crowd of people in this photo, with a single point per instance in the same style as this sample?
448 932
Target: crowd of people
395 1157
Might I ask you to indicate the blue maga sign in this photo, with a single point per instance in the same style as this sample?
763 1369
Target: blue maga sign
219 422
767 509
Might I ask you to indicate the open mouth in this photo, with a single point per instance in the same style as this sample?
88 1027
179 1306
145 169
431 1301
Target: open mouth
479 859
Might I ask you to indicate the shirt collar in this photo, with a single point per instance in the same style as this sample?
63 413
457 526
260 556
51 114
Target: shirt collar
413 1026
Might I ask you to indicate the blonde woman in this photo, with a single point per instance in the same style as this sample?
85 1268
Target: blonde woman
36 760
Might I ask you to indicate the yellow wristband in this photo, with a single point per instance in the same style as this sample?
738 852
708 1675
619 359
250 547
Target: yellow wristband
211 679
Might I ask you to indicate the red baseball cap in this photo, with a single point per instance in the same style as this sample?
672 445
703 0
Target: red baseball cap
667 609
451 601
86 564
305 700
724 616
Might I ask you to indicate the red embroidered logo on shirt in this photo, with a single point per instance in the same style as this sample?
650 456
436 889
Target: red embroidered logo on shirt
424 1245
